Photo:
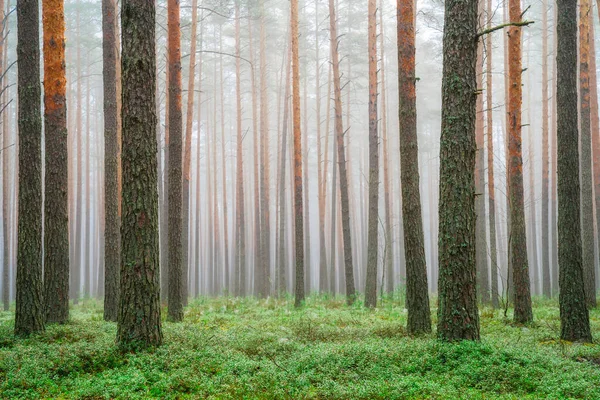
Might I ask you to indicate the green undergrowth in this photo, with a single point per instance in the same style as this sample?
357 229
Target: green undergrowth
245 348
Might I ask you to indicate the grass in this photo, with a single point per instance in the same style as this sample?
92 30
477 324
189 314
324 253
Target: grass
244 348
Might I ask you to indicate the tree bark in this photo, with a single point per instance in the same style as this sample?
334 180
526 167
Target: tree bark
546 288
417 298
139 323
458 317
587 189
574 317
56 207
29 314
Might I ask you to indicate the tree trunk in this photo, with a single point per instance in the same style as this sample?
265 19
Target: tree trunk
224 173
372 246
595 134
298 207
490 163
341 158
587 189
458 317
545 150
56 206
174 191
185 212
112 232
417 298
75 275
574 317
6 166
29 315
139 323
518 239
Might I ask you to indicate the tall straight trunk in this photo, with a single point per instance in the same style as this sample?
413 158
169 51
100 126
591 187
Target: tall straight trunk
239 286
112 220
175 299
75 274
458 317
341 160
6 204
164 215
198 220
189 118
258 278
29 315
480 242
388 266
298 207
224 173
321 178
417 298
329 273
372 257
87 244
281 283
546 288
595 126
139 323
265 265
490 163
518 238
587 189
509 269
56 207
532 198
574 317
216 265
306 187
554 268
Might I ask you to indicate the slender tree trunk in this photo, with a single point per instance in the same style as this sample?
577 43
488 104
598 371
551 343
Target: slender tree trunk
587 189
546 291
341 160
87 243
595 133
417 298
56 207
458 317
112 221
480 241
75 275
372 256
490 163
575 324
6 205
554 268
518 239
298 207
29 315
186 197
174 191
282 267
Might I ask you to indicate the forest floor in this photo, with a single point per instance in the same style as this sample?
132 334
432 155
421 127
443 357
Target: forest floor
233 348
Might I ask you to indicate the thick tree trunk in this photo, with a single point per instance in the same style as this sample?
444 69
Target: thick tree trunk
112 220
458 317
518 239
372 246
56 207
139 323
417 298
298 207
575 324
29 315
341 161
174 191
587 189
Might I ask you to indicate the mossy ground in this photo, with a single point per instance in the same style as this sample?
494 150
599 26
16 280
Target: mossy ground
233 348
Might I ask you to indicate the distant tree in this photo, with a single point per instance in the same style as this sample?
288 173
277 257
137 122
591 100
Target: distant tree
139 322
175 269
29 315
546 288
372 246
587 188
6 204
574 317
341 162
458 317
56 207
417 298
112 220
517 237
298 207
